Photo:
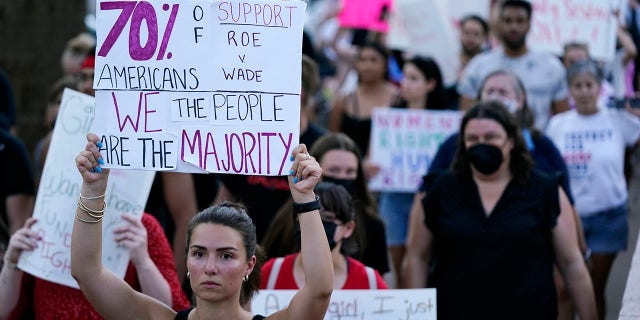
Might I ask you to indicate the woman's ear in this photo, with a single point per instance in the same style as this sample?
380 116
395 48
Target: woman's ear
349 228
251 264
431 84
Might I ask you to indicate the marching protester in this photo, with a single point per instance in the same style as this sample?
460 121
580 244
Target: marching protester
542 74
592 141
494 229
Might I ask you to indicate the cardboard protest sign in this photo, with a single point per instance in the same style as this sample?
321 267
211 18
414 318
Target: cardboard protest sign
364 14
58 194
404 142
359 304
556 22
199 86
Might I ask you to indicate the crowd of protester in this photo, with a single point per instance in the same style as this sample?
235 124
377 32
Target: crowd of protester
521 214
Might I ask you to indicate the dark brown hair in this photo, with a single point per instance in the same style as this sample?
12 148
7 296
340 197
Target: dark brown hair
520 160
234 216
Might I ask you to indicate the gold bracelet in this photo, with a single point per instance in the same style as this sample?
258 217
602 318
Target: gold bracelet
94 213
92 198
88 221
10 265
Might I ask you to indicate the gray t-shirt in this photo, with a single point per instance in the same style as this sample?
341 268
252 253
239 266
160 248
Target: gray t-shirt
542 74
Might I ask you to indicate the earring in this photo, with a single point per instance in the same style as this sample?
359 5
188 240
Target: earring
188 274
245 278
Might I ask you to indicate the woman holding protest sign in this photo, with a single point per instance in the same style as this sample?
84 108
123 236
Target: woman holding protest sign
220 253
493 222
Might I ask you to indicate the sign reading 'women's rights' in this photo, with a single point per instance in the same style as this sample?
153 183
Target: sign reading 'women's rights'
404 143
199 86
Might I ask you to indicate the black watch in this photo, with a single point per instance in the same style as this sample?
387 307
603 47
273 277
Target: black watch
299 208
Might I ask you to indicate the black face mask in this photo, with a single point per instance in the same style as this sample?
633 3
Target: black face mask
348 184
486 158
329 230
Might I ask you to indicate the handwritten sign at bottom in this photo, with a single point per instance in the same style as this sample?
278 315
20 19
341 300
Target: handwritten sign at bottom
405 304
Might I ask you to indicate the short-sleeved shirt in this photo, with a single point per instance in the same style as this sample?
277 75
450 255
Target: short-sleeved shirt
498 266
542 75
593 147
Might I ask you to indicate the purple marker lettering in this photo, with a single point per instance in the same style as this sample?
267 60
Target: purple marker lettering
211 143
233 162
248 151
228 166
268 156
147 111
287 146
127 9
121 124
197 142
167 32
144 11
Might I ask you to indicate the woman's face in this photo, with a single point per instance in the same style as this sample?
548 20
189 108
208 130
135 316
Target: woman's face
339 164
501 87
371 65
487 131
414 85
217 262
585 89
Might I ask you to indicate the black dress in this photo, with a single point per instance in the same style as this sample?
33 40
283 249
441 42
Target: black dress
497 266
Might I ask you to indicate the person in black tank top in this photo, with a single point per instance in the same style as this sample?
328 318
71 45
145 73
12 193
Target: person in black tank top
222 266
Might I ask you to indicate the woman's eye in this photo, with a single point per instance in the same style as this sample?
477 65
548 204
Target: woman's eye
226 256
198 254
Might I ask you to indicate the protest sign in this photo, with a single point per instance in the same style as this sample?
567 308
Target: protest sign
403 304
403 143
58 193
556 22
364 14
199 86
423 27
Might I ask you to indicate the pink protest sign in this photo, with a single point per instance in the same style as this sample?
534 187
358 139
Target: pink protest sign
365 14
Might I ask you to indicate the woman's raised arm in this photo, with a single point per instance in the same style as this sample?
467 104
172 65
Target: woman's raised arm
111 296
312 300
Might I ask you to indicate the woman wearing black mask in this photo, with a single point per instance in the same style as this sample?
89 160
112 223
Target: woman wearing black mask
341 163
494 227
338 219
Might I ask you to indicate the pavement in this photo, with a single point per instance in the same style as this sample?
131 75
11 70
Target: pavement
623 289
